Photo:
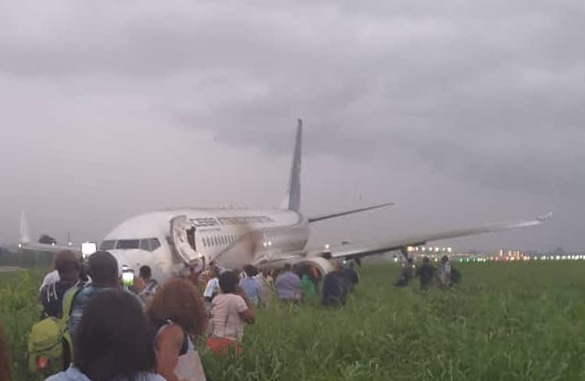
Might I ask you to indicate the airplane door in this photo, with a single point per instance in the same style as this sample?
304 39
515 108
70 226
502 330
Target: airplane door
179 227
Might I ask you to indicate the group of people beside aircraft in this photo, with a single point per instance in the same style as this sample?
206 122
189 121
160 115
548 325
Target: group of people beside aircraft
104 329
443 276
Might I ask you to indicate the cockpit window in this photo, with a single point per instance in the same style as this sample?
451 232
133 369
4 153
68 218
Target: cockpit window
108 245
145 244
154 244
126 244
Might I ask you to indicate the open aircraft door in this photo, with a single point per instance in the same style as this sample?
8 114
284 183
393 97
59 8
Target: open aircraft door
179 227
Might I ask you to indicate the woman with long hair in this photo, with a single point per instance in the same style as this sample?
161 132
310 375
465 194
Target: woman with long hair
112 342
177 316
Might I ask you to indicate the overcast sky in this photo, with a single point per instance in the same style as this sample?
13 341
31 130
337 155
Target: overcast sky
462 112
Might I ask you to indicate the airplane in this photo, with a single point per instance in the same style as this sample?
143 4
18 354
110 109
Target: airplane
169 240
25 242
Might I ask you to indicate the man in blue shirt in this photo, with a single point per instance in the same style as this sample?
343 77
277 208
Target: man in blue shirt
103 270
288 285
251 285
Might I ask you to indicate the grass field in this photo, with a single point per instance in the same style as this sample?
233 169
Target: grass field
516 321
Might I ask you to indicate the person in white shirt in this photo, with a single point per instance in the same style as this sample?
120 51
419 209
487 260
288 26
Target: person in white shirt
212 287
445 271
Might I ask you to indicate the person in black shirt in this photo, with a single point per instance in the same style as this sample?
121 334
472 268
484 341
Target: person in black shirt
351 276
426 273
405 274
51 296
335 289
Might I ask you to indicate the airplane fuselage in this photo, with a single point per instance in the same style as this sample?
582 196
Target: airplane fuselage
220 235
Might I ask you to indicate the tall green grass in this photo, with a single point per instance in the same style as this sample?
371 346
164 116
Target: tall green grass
516 321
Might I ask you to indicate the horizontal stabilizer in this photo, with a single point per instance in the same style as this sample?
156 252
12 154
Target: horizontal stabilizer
340 214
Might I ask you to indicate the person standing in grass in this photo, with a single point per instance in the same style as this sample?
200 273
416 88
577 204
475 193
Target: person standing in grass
426 273
335 288
266 281
308 287
68 268
351 276
230 311
406 273
288 285
177 317
149 286
251 285
445 272
112 341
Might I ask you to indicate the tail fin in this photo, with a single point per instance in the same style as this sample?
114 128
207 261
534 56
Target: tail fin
293 199
24 232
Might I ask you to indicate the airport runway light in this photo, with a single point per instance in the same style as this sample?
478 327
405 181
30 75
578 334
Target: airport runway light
52 243
449 249
327 246
70 244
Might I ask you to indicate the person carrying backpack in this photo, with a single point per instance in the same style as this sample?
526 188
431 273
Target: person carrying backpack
68 266
103 270
46 339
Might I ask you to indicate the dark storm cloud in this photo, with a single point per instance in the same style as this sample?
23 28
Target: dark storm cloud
484 93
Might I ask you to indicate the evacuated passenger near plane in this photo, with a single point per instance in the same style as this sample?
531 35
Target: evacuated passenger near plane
112 342
212 287
251 285
288 285
445 272
335 289
426 274
406 273
149 286
51 297
352 276
230 311
177 317
103 270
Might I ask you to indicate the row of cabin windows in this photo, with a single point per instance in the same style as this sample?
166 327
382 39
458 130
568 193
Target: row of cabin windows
220 240
146 244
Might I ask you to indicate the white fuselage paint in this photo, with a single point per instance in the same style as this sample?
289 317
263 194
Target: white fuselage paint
218 231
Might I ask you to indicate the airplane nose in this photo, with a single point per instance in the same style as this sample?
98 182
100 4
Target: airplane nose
122 262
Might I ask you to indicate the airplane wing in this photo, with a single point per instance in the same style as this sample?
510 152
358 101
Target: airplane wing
371 248
346 212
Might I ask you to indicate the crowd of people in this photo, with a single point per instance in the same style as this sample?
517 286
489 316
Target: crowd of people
443 276
95 327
